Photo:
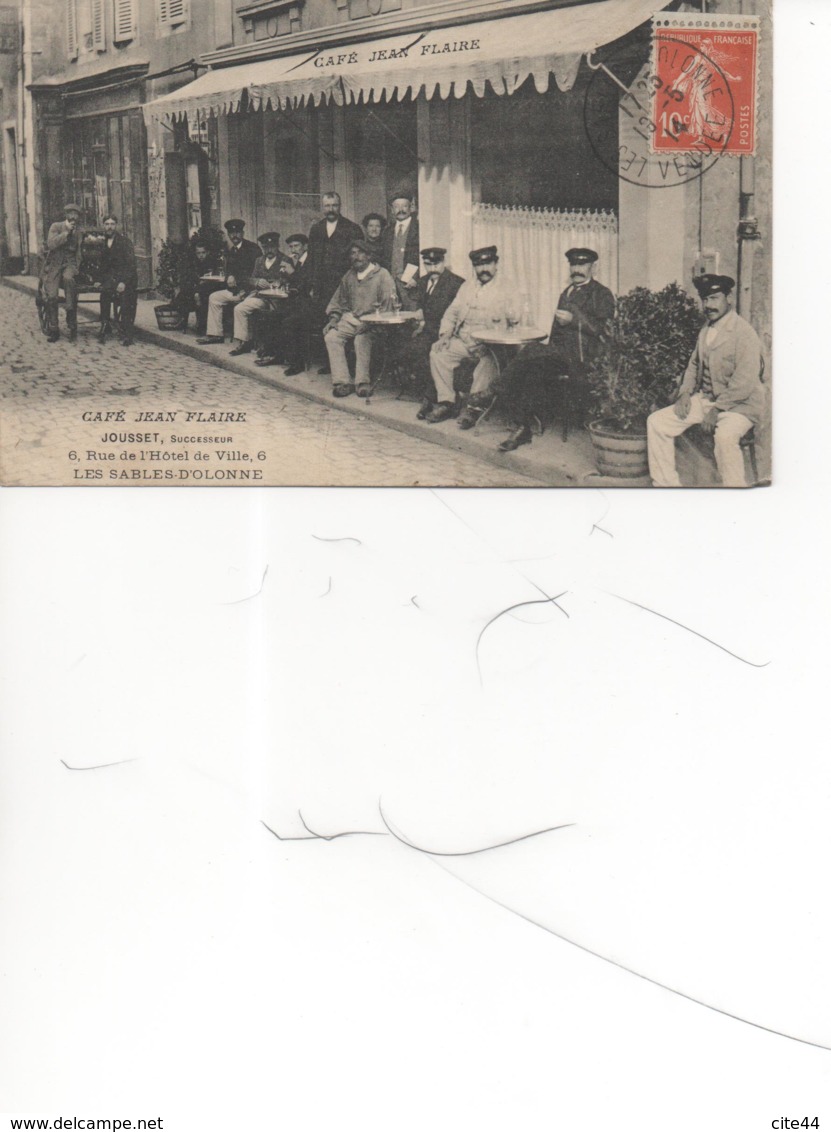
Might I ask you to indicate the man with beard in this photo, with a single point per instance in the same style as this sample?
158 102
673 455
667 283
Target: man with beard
478 302
364 289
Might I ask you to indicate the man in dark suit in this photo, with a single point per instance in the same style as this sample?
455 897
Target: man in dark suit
399 247
539 371
290 329
240 259
329 242
119 283
61 262
194 291
435 291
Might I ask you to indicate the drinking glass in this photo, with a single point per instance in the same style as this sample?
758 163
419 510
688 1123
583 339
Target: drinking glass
512 318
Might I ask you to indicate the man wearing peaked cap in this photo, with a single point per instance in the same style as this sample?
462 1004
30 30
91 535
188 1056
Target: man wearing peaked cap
720 390
240 258
270 269
435 291
554 375
477 304
61 262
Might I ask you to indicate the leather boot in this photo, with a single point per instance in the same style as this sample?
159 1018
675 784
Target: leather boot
53 333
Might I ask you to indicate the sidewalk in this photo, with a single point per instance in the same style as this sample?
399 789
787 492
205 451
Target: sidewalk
549 459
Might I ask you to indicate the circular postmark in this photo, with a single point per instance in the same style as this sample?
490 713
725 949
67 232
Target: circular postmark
675 119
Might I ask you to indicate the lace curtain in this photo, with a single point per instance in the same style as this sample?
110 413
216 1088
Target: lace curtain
532 243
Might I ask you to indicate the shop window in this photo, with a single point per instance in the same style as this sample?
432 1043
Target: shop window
124 20
72 29
359 9
531 150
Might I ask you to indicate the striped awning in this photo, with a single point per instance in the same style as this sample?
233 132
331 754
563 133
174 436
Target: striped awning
501 53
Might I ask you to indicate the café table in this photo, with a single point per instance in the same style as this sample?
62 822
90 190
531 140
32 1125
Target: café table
388 320
505 342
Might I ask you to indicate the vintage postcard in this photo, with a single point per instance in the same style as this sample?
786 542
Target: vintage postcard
380 242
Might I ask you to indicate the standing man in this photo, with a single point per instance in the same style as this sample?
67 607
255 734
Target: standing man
436 290
61 263
329 242
119 283
477 304
583 313
365 288
271 267
721 390
240 258
399 247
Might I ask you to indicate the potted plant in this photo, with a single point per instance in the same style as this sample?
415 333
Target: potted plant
172 269
646 352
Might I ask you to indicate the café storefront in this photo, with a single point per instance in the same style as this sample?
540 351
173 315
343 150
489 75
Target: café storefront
484 121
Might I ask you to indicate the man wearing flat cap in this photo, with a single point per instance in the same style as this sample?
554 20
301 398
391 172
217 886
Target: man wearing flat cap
478 302
542 372
720 390
240 259
437 288
272 268
365 289
61 262
399 246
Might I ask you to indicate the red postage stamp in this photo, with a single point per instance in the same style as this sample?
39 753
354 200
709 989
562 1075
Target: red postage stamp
705 89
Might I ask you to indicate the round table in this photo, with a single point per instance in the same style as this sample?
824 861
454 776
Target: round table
272 295
519 336
389 319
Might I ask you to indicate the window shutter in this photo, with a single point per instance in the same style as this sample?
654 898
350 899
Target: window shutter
173 12
99 36
72 29
124 19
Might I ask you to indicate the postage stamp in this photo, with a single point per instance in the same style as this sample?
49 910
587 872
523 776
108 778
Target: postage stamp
705 85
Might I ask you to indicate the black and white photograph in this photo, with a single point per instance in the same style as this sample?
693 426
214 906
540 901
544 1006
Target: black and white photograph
386 243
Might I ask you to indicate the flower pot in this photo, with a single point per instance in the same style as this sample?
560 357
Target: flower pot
168 317
619 454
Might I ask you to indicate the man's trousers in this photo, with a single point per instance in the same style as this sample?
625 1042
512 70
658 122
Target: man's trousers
217 303
349 329
444 361
664 426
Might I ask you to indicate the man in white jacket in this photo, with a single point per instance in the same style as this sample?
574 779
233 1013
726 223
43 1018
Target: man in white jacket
721 390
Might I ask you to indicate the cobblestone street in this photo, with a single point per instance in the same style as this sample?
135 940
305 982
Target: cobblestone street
46 388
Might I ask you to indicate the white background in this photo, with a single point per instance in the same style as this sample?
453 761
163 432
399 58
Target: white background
165 955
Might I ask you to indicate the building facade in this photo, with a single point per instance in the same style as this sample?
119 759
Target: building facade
498 116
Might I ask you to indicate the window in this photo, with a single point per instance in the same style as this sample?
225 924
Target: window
99 30
72 29
124 19
172 13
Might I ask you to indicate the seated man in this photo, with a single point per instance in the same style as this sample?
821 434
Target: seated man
119 283
436 290
271 267
240 258
287 333
477 304
720 390
194 291
365 288
536 374
60 265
